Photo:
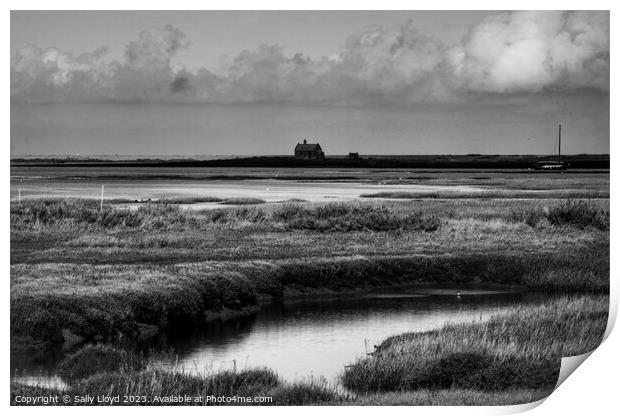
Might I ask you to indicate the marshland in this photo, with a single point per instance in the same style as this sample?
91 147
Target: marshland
380 286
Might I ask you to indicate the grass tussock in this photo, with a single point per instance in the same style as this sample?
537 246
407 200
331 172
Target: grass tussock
186 201
333 217
316 392
531 216
521 350
571 213
164 383
350 217
84 212
292 201
580 214
94 359
243 201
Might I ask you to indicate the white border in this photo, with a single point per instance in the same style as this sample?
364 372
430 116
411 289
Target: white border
590 390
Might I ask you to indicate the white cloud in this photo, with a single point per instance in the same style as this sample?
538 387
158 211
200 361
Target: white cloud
507 53
532 51
154 48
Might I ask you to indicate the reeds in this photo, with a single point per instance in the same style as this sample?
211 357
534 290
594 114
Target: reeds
156 385
494 193
98 358
334 217
519 351
567 213
579 214
243 201
39 213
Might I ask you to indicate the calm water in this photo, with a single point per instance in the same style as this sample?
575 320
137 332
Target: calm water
318 337
269 189
312 338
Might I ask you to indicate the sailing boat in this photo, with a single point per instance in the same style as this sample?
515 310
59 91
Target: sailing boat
554 164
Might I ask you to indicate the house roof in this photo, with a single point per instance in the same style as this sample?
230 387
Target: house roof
307 147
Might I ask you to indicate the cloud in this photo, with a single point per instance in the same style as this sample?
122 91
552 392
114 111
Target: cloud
51 75
154 48
534 51
54 75
507 53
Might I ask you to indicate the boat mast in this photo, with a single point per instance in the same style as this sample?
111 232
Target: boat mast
560 143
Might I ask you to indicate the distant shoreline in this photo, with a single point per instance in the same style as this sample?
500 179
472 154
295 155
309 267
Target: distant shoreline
582 161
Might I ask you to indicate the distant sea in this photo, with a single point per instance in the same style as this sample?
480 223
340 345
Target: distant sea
126 157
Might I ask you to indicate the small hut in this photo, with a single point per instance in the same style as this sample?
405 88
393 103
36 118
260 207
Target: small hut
310 151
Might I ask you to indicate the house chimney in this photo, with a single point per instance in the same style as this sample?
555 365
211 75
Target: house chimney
305 141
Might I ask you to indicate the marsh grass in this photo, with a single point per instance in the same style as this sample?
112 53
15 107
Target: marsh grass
94 359
579 214
103 274
101 302
333 217
451 397
37 215
106 273
87 212
508 359
292 201
153 383
243 201
185 201
162 383
531 216
350 217
495 194
315 391
521 350
311 394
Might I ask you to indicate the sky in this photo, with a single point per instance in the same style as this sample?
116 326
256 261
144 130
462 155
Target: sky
252 83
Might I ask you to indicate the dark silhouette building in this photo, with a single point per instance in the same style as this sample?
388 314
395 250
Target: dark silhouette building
307 150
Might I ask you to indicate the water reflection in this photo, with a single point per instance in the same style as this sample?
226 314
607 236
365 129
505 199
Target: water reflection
318 337
312 337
